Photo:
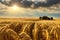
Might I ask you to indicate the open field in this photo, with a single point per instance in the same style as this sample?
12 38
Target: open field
29 29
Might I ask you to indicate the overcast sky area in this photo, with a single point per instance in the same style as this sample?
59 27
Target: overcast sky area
29 8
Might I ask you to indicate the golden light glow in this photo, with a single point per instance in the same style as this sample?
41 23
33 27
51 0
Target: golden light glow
15 7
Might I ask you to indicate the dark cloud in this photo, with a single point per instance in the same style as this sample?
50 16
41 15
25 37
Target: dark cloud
28 4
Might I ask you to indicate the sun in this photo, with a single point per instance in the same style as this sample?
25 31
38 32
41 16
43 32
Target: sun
14 7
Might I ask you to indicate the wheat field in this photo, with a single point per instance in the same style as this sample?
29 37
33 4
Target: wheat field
29 30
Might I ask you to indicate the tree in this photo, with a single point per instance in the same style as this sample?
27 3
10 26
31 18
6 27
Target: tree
51 18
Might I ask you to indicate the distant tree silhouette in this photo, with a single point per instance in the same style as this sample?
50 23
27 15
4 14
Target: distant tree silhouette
46 18
40 18
51 18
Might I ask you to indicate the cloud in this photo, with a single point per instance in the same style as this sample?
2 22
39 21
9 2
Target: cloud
52 9
41 5
6 11
28 4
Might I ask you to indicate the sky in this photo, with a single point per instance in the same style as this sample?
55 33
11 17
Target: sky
29 8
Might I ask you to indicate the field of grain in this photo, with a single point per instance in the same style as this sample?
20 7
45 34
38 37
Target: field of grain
29 30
